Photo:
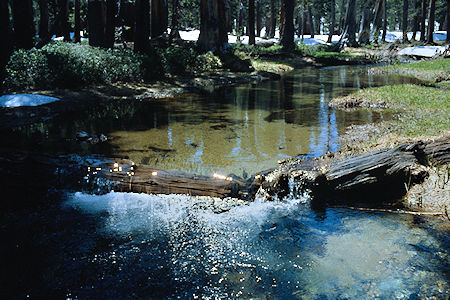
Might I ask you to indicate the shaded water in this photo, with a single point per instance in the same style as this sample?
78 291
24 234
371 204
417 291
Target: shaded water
134 246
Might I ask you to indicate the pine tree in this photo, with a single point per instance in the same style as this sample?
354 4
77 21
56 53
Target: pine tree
213 35
287 23
431 18
142 33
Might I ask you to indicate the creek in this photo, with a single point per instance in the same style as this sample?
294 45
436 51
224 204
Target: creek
134 246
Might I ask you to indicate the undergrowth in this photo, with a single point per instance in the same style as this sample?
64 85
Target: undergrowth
61 64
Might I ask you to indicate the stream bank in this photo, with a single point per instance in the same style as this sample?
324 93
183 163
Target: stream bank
421 114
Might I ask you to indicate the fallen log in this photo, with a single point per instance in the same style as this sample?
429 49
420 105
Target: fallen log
126 176
381 175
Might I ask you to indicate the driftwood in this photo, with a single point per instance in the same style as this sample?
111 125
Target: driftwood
383 175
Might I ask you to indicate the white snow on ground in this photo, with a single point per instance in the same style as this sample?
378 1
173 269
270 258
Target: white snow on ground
232 39
17 100
424 51
392 36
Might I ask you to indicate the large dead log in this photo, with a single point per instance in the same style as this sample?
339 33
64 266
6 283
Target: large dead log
126 176
383 175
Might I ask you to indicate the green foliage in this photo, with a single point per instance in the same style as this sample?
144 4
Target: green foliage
71 65
28 69
206 62
176 60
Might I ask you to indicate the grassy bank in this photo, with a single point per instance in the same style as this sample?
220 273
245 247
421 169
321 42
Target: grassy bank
437 70
419 112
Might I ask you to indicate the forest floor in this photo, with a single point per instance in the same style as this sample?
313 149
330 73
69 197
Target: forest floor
420 113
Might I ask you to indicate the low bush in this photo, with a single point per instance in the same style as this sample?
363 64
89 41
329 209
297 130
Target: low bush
28 69
206 62
71 65
176 60
61 64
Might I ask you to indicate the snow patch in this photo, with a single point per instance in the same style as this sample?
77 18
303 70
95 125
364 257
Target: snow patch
424 51
17 100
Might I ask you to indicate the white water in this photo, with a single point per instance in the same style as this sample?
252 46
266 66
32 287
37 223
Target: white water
267 249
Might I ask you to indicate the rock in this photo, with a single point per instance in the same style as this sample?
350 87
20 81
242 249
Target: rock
235 64
270 75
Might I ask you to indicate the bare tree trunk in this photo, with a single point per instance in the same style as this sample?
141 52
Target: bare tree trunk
273 19
5 32
43 18
127 17
287 22
63 6
333 20
431 18
416 19
77 16
174 33
304 22
350 27
267 25
383 37
342 17
364 33
448 21
142 31
299 22
22 11
377 18
258 18
240 22
112 9
213 34
405 21
251 22
96 23
311 21
281 17
422 20
159 17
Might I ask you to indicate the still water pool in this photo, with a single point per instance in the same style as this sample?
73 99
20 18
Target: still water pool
240 130
135 246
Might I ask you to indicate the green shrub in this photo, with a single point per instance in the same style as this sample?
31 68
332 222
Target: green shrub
75 64
152 65
71 65
206 62
61 64
176 60
28 69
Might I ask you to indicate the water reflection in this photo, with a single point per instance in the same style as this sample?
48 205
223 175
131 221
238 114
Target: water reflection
239 130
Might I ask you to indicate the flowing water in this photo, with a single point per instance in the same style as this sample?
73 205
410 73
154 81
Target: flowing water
135 246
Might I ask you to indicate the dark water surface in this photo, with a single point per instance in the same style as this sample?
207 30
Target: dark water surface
135 246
